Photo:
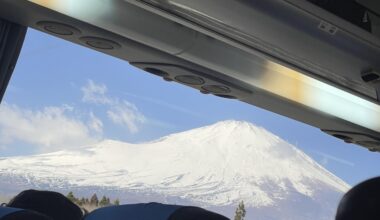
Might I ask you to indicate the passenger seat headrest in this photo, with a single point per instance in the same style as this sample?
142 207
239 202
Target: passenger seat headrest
361 202
191 213
153 211
7 213
52 204
143 211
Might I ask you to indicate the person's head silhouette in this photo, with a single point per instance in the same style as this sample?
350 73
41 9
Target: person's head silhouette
361 202
52 204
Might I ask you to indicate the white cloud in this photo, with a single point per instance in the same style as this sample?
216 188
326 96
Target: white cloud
324 161
327 157
126 114
167 105
59 127
50 128
95 93
95 123
120 112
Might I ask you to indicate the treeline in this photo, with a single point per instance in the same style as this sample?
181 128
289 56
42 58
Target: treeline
93 201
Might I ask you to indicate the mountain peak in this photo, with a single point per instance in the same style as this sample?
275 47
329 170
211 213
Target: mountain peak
219 164
231 122
234 124
227 134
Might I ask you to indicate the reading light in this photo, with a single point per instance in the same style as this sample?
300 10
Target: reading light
216 89
191 80
100 43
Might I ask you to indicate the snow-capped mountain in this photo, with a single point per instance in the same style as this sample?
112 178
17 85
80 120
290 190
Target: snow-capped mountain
215 166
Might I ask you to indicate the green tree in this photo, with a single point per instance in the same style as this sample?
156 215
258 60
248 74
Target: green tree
82 201
94 200
103 202
71 197
116 202
240 211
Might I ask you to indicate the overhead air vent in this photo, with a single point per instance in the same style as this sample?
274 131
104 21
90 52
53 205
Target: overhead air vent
58 28
371 76
371 145
217 89
343 137
157 72
204 82
225 96
100 43
190 80
368 141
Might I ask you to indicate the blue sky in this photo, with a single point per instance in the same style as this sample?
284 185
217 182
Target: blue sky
58 84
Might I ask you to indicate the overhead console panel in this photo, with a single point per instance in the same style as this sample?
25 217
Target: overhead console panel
297 33
291 57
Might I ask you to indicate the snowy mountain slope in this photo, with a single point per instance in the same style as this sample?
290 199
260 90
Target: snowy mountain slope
216 165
